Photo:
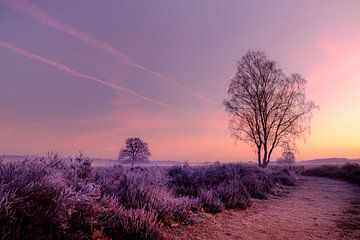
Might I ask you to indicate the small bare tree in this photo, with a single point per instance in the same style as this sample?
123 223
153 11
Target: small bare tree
287 157
135 150
267 108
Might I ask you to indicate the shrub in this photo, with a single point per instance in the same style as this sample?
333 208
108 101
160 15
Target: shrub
54 198
84 217
233 194
79 170
183 181
6 214
37 209
244 181
348 172
351 173
283 177
258 184
135 193
210 203
215 174
182 209
130 224
331 171
108 179
141 225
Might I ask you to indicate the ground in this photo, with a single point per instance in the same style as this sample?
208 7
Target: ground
317 208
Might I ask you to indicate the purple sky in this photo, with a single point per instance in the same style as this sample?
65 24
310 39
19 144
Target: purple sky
85 75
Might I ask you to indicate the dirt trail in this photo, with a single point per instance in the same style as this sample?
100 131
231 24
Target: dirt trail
318 208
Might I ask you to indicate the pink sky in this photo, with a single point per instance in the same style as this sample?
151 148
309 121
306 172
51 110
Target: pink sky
87 76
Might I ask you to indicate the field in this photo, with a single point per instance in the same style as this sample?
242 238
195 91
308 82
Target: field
54 198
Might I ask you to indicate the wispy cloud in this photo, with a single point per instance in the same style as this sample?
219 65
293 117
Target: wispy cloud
74 73
29 8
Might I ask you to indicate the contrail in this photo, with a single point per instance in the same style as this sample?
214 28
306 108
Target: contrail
74 73
29 8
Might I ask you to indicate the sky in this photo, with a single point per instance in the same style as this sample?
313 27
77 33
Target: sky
86 75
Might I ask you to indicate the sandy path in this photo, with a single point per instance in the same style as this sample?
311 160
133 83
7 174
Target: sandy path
318 208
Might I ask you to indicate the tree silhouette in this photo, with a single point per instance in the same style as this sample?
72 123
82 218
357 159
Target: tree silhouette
287 157
267 108
135 150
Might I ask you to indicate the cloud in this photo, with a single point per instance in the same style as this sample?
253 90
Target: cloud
29 8
74 73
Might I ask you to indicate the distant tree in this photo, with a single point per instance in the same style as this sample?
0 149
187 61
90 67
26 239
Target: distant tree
287 157
267 108
135 150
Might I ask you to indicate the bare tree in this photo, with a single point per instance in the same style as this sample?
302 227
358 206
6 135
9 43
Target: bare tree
287 157
135 150
267 108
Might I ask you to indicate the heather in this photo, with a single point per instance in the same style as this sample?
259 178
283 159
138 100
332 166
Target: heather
55 198
349 172
228 181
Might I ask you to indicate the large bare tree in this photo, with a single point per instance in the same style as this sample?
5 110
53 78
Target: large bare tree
267 108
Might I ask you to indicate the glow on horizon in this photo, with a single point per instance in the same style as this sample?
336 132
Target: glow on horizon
330 62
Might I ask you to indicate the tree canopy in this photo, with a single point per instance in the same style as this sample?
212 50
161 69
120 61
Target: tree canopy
267 108
135 150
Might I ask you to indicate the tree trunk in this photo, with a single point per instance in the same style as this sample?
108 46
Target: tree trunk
259 155
264 162
269 156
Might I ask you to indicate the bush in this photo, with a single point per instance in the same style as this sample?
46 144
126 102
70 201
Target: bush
283 177
351 173
183 181
233 194
6 215
34 205
135 193
120 223
257 183
233 184
46 199
331 171
84 217
54 198
141 225
210 203
348 172
108 179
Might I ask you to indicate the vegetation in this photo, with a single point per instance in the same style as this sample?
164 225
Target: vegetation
267 108
232 184
349 172
287 157
54 198
135 150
